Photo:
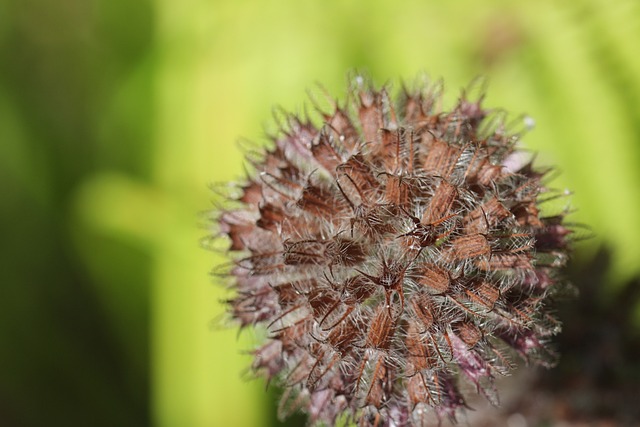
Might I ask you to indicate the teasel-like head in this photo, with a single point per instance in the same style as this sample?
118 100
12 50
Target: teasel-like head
393 253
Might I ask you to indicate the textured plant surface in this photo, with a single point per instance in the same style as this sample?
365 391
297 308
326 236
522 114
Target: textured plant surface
396 255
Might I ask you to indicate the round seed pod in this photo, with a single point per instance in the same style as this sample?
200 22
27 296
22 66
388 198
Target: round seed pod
392 252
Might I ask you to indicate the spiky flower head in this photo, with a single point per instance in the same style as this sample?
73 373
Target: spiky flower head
393 253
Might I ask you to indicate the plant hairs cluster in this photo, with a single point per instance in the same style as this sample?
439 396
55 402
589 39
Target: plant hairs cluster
396 255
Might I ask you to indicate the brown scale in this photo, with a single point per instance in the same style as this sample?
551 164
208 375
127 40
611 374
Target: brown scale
336 314
340 340
291 173
421 359
440 157
274 161
444 394
419 355
553 235
294 223
322 300
379 337
441 203
412 108
333 252
416 108
340 308
318 201
422 308
374 222
483 293
342 337
417 390
271 161
523 311
305 252
297 134
459 129
291 292
479 161
270 217
381 330
356 290
468 332
341 124
432 124
515 242
527 214
521 305
386 153
488 214
372 219
504 255
345 252
261 264
444 122
319 370
283 187
372 113
529 190
396 151
488 174
245 306
281 316
435 278
293 336
381 383
506 261
237 228
251 193
325 152
469 246
397 191
482 169
359 174
431 319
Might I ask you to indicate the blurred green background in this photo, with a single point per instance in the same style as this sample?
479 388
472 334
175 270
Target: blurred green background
116 115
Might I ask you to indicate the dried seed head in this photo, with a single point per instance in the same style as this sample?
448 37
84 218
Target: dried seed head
392 253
